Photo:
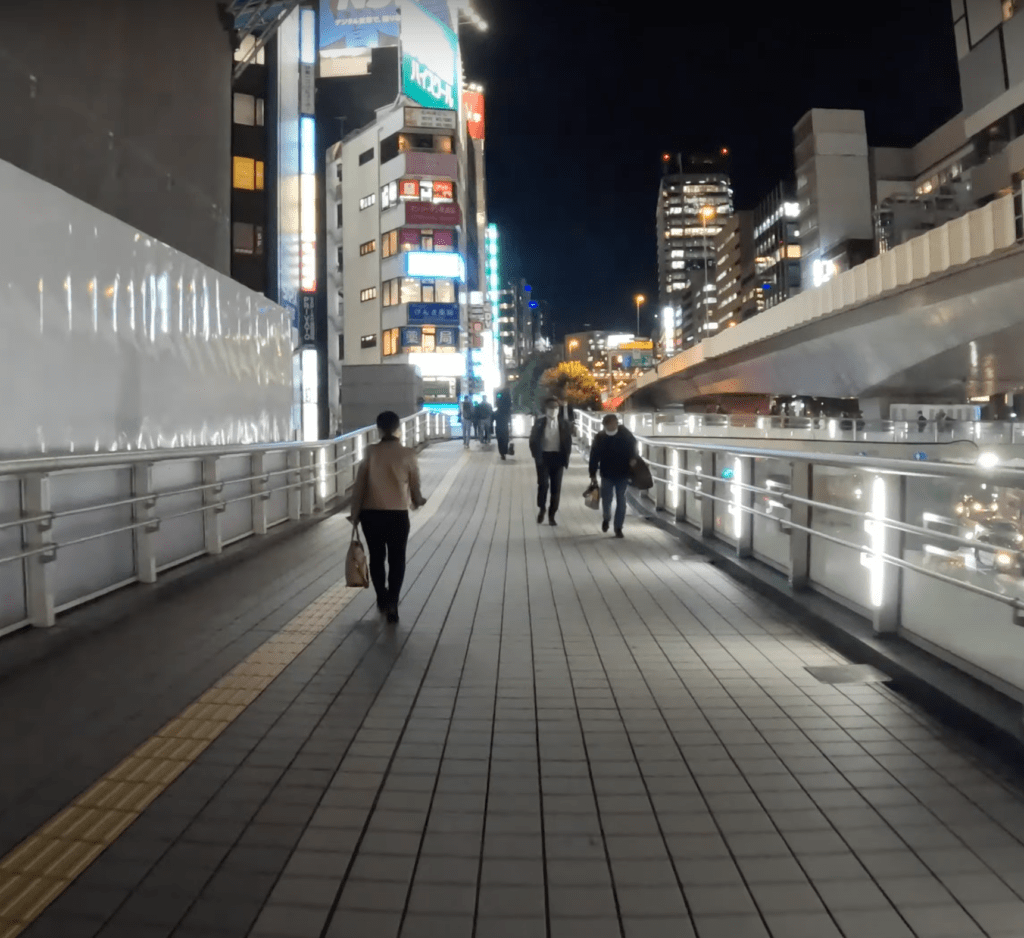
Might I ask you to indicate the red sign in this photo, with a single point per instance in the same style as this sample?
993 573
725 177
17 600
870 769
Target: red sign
443 191
473 104
429 213
409 189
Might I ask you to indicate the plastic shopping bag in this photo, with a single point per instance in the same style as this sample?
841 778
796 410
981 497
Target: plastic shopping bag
592 497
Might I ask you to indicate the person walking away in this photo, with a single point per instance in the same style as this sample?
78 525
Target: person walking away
484 419
503 421
922 421
550 446
467 420
387 483
613 455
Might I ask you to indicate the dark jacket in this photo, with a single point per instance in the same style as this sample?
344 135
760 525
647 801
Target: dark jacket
537 439
467 410
503 410
612 454
484 411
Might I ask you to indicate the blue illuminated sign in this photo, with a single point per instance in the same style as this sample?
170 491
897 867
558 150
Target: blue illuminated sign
412 337
533 304
434 314
447 338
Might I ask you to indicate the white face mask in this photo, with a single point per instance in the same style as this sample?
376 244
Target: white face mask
612 431
552 412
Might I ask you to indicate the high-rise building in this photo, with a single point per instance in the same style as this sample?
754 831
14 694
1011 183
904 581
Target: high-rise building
734 270
694 197
777 246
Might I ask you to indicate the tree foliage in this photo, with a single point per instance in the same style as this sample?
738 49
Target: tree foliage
526 390
573 382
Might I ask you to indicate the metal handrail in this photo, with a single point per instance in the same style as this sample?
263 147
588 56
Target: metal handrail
878 465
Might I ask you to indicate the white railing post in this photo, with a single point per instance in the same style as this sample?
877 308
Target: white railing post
744 507
681 479
660 454
214 506
260 493
38 536
146 522
308 481
800 513
294 478
707 503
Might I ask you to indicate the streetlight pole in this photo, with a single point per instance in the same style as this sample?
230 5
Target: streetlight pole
640 298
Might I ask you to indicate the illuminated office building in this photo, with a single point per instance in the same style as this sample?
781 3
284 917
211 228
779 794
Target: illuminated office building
694 198
777 246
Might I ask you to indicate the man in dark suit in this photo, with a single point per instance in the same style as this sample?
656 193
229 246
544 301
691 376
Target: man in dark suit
550 446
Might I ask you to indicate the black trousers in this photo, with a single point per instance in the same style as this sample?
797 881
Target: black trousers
387 536
550 468
501 431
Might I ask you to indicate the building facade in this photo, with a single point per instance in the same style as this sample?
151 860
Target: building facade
777 247
734 270
694 197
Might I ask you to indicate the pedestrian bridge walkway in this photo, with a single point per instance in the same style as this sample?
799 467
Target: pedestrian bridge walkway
568 735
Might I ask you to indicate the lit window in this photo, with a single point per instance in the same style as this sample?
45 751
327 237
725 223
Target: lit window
370 293
390 342
366 201
243 173
244 52
259 175
367 247
389 243
368 341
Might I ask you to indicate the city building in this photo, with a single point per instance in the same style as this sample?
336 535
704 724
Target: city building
613 358
403 211
694 197
734 270
777 246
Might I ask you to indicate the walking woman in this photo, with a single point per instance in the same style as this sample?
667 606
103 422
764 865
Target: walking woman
387 483
503 421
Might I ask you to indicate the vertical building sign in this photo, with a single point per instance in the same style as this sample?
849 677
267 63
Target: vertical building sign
429 59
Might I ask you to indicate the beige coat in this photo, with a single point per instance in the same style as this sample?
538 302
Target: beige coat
388 479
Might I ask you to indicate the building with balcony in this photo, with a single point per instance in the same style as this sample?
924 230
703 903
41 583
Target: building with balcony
694 197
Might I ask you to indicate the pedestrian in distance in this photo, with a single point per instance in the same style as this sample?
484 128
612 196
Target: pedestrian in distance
387 483
613 455
467 420
485 417
550 446
503 421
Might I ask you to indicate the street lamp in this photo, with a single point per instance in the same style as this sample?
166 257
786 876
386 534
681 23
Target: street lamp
639 298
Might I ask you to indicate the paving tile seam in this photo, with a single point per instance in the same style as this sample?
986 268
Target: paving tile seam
803 863
45 864
579 722
479 508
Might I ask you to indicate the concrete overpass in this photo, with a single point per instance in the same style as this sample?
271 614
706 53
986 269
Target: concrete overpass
938 318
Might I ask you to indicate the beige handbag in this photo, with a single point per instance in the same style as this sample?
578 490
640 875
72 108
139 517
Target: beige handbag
357 573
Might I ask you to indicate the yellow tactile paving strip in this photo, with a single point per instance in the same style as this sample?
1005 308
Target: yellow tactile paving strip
40 868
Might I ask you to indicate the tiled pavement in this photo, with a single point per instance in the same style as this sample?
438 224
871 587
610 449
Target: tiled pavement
568 735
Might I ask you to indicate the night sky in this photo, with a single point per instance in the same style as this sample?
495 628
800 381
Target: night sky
583 97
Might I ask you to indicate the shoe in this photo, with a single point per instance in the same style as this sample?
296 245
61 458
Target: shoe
502 458
605 525
551 520
391 613
540 517
618 532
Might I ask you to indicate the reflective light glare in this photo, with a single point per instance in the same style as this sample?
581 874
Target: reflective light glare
737 498
307 143
310 385
988 460
307 37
